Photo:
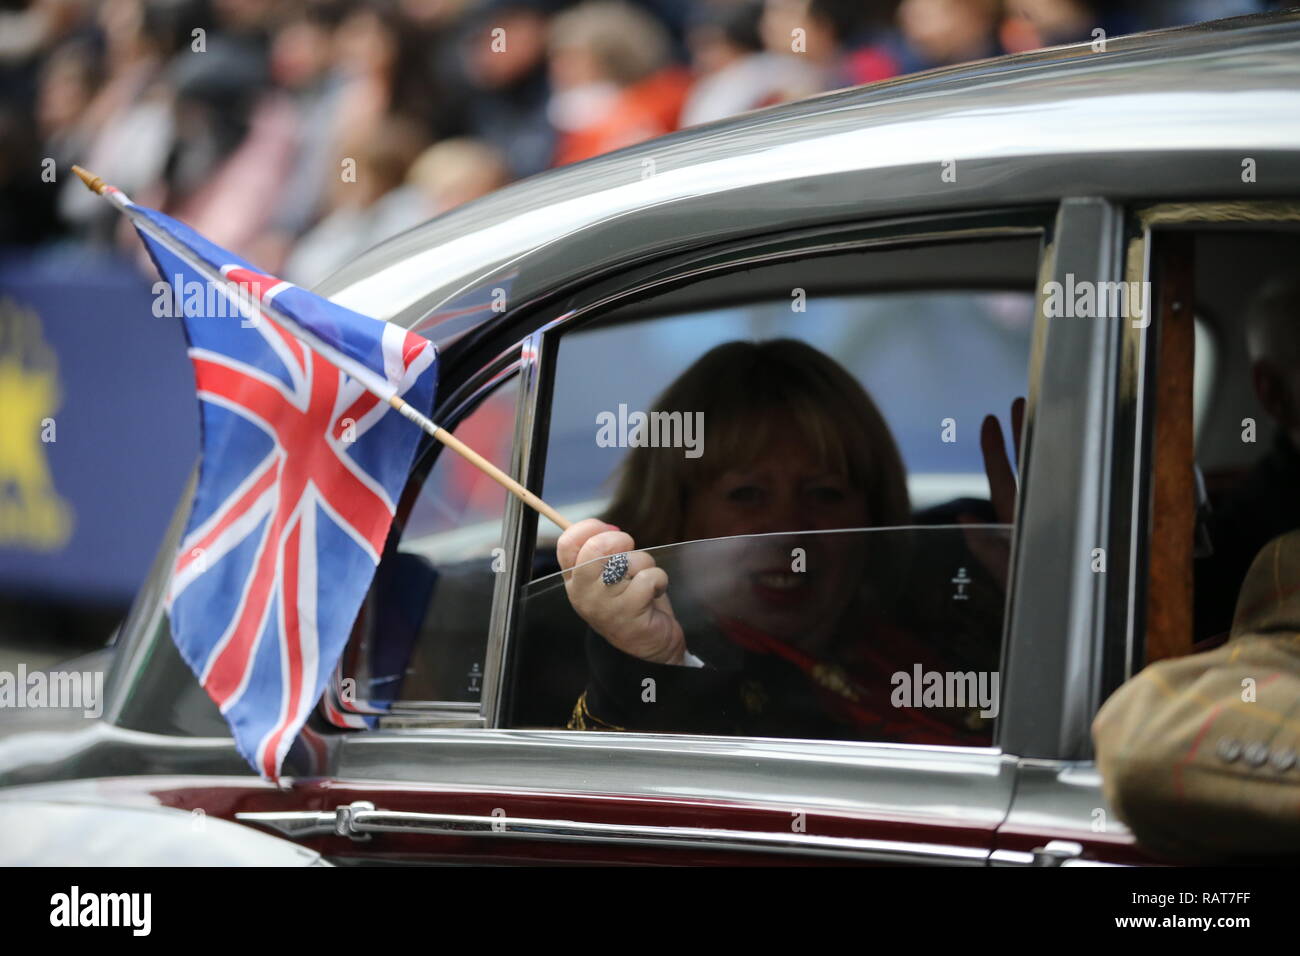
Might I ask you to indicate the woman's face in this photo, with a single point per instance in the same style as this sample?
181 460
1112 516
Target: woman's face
785 489
792 586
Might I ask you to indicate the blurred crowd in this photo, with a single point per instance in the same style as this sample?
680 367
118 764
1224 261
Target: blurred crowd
300 132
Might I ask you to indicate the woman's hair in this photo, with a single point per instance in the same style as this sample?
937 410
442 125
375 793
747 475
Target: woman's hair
748 393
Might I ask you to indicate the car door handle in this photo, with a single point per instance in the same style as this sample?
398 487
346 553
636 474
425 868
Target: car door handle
1057 853
299 824
360 820
1054 853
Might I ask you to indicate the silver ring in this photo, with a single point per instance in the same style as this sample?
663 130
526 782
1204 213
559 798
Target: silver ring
615 569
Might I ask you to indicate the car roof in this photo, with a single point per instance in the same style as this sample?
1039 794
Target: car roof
1168 114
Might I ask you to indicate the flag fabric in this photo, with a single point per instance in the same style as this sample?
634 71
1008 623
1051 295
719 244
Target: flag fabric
300 470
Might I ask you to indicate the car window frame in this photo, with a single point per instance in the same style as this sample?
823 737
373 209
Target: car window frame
587 304
458 406
1125 648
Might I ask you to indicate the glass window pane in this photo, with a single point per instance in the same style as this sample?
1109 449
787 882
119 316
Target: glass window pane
885 634
861 412
423 630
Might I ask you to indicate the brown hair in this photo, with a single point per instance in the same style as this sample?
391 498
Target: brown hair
748 392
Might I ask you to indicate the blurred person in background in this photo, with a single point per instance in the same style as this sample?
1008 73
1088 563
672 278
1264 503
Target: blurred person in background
26 213
234 144
612 80
127 127
64 86
301 64
733 73
1033 24
454 171
930 34
68 82
803 49
385 72
944 32
368 208
26 33
502 65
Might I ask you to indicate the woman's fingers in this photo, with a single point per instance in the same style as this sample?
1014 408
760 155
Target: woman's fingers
633 613
997 466
575 537
649 584
592 574
1002 480
600 545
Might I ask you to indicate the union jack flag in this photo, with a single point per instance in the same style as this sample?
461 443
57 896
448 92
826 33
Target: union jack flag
299 473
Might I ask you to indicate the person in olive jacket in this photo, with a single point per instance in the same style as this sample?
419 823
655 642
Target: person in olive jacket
1199 754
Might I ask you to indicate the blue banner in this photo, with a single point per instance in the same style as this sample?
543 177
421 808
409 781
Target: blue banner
98 424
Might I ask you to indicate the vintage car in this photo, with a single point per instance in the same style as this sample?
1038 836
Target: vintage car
1081 225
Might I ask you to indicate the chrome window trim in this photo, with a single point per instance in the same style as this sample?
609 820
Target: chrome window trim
1133 450
510 583
966 789
359 820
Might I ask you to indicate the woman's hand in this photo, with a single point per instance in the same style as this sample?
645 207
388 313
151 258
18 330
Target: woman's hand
995 552
1002 477
633 614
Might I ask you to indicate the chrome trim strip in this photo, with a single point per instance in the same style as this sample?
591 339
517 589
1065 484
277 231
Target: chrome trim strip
413 720
492 375
996 858
1133 412
514 522
914 785
442 706
361 821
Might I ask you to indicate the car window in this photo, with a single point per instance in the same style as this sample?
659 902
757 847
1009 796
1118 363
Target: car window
423 628
926 356
1224 465
884 634
918 572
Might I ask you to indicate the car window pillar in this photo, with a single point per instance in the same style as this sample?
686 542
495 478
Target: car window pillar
1062 530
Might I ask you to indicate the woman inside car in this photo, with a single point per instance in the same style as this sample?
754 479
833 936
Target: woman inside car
780 623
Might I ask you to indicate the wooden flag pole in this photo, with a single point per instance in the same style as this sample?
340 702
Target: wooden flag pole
97 185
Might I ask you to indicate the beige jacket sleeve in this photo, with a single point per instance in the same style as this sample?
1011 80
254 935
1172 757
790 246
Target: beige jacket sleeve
1198 755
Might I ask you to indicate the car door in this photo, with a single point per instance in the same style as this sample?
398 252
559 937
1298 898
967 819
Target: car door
1169 411
471 779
